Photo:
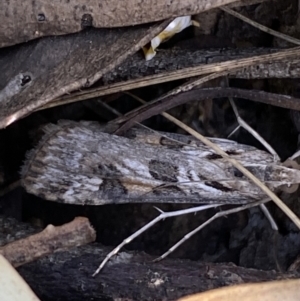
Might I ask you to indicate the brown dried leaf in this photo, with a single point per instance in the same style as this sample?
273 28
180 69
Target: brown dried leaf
287 290
26 20
33 74
12 285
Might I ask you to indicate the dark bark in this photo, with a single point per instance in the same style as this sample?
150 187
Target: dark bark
67 276
190 56
131 275
160 105
178 63
167 280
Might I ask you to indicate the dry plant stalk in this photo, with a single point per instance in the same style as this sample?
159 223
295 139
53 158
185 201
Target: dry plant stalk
261 27
51 239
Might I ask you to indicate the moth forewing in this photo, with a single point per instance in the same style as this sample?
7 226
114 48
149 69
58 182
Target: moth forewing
78 163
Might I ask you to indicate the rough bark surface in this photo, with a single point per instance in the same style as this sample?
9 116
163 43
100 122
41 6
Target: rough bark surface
179 58
173 64
130 276
27 20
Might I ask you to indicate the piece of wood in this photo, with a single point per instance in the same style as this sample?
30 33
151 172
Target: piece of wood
51 239
131 276
12 285
174 64
168 60
26 20
180 58
77 163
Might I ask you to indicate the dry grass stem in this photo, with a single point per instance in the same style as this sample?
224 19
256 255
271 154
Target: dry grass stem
261 27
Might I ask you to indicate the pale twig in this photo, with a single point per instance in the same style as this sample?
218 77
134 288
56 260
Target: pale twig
194 83
261 27
217 215
109 108
162 216
52 239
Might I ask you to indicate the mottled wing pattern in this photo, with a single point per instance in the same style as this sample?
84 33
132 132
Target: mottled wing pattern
77 163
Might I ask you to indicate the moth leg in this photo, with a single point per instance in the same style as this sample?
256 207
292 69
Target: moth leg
217 215
269 216
242 123
163 215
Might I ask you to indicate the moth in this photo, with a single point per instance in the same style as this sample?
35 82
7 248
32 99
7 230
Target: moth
79 163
